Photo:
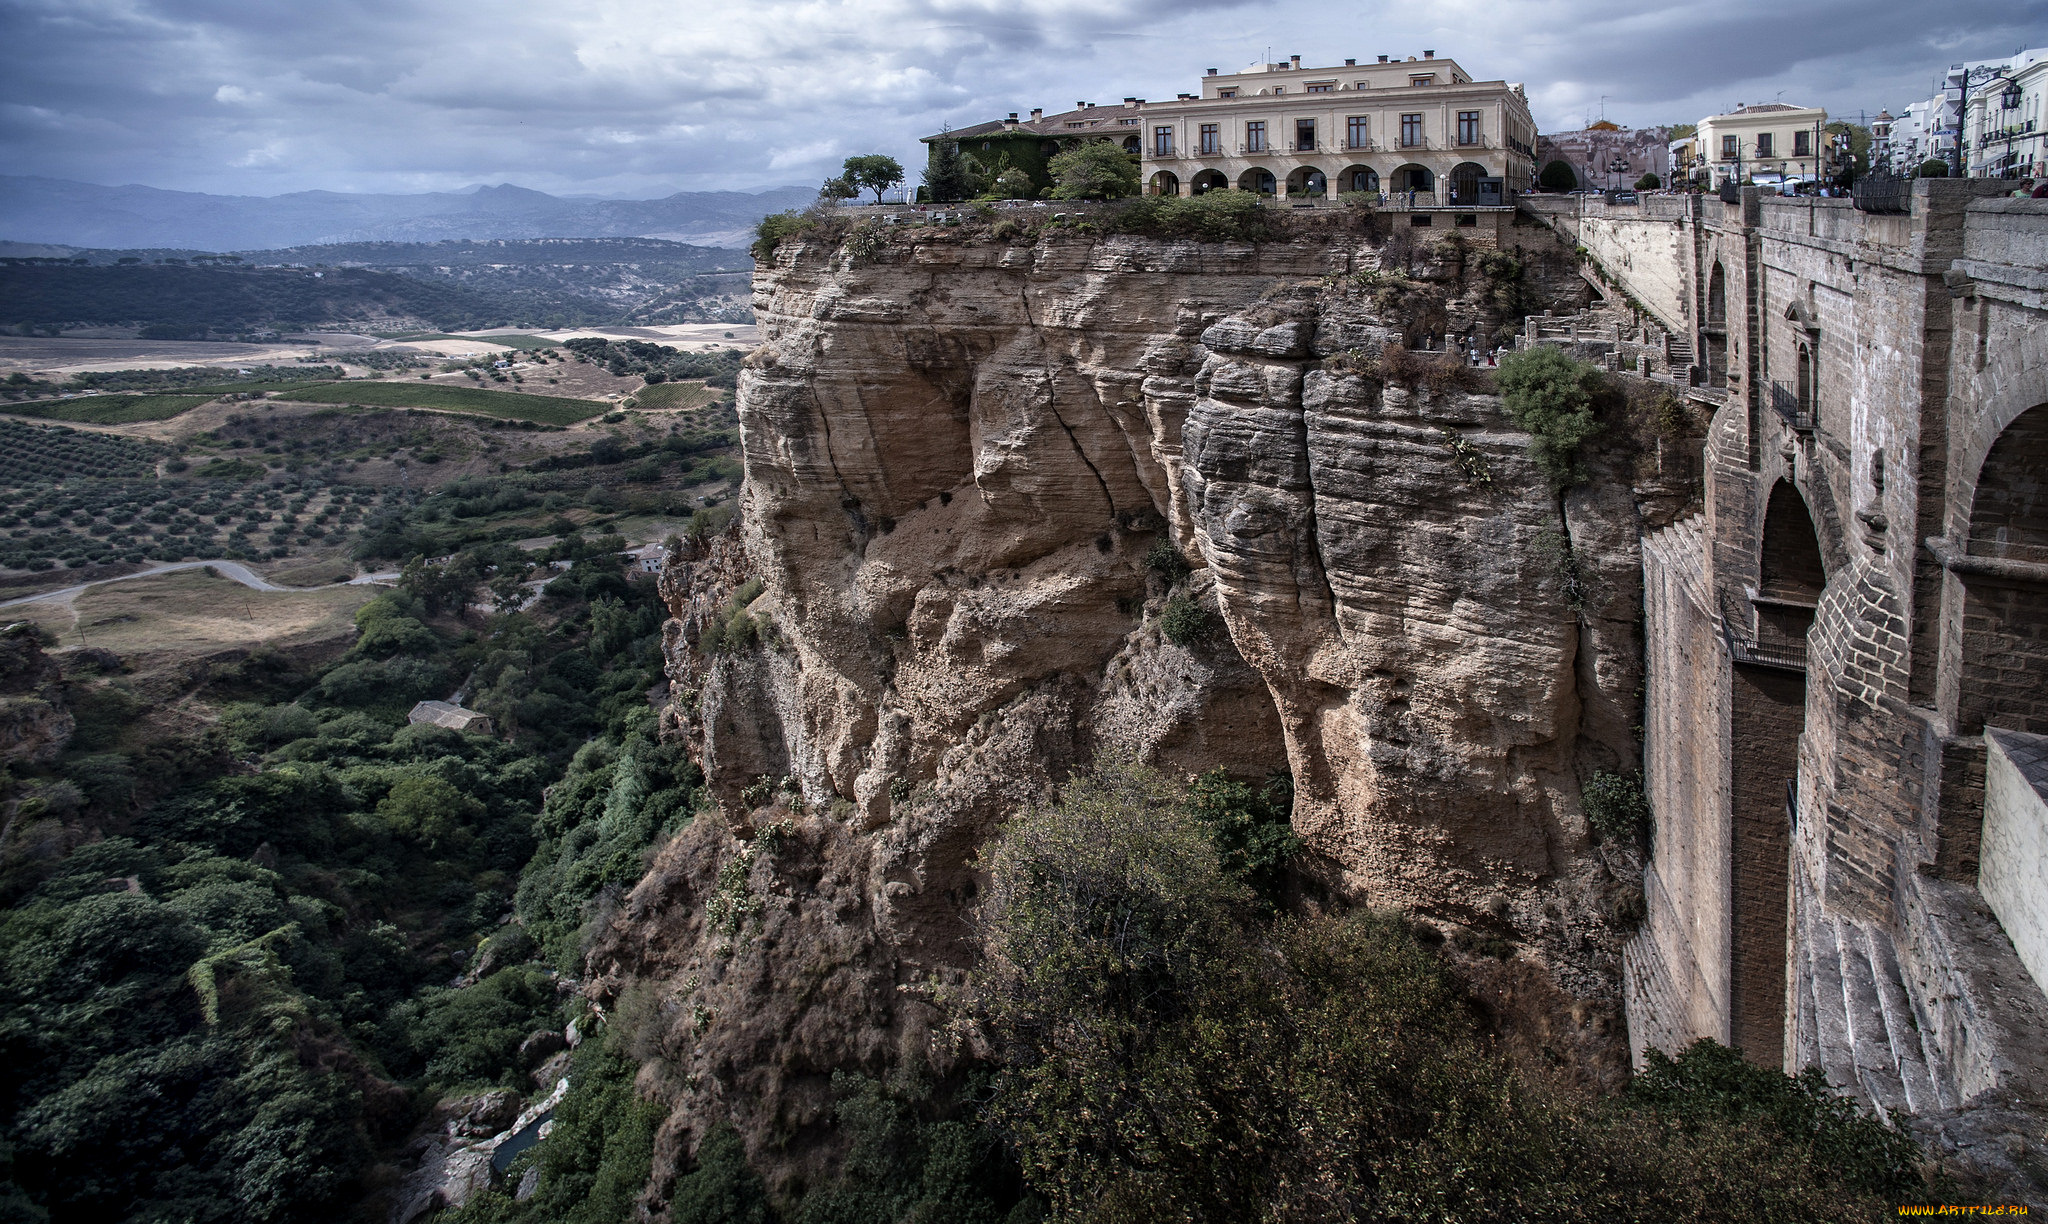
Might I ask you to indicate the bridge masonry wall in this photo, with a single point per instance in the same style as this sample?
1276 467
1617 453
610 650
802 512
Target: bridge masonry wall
1870 362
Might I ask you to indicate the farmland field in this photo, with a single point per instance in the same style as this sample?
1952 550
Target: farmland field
112 409
675 395
546 409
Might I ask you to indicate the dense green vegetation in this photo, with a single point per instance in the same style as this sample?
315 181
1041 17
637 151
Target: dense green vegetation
31 453
225 987
659 363
113 409
512 405
1168 1054
213 515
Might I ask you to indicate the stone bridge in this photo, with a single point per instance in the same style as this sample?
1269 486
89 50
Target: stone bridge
1849 638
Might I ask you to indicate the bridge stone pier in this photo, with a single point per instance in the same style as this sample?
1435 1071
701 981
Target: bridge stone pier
1847 641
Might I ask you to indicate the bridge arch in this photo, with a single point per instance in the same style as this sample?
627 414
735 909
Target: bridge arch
2005 614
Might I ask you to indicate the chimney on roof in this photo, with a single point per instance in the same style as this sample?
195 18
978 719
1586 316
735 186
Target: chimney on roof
1383 59
1429 55
1212 72
1294 61
1011 122
1351 63
1037 113
1130 101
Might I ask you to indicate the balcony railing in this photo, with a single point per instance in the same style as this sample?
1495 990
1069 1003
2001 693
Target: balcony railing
1785 402
1784 656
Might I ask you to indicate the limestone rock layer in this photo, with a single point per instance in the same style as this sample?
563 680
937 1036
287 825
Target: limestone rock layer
960 452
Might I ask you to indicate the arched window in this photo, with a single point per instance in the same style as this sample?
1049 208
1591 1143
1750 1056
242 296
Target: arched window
1807 403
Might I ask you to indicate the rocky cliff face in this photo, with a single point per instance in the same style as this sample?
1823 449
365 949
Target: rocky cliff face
960 451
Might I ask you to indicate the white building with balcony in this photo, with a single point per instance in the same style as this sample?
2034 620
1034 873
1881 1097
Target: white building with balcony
2001 120
1395 127
1766 143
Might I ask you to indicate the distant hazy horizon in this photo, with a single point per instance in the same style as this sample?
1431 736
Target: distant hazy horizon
67 212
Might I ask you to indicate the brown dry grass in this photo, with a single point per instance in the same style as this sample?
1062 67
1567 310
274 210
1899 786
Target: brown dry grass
193 613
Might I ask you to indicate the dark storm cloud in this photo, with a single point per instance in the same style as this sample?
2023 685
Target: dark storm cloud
637 96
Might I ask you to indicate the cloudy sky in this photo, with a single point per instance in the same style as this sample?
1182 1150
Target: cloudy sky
635 97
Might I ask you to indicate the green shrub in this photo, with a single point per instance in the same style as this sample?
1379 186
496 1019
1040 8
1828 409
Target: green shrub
1933 167
1213 216
1167 561
1095 170
774 227
1550 395
1252 830
1185 621
1616 806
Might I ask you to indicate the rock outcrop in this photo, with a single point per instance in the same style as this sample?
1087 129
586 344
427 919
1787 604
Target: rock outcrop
961 452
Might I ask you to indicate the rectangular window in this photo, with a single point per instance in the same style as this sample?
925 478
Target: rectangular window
1468 127
1802 144
1728 146
1763 145
1362 85
1210 139
1255 136
1226 93
1354 132
1422 80
1162 142
1304 135
1323 87
1411 131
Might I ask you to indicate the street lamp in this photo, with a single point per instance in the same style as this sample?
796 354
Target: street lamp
1983 74
1616 165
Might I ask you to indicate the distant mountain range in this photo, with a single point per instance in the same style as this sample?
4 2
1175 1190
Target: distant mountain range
44 210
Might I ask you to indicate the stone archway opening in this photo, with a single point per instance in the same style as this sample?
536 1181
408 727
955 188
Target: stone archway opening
1208 180
1419 179
1307 181
1132 147
2005 614
1257 180
1164 183
1465 178
1359 178
1767 715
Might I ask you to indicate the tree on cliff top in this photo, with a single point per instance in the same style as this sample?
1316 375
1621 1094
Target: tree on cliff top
1098 170
946 177
1551 396
876 172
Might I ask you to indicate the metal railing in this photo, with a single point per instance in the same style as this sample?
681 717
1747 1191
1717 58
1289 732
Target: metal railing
1785 402
1880 192
1784 656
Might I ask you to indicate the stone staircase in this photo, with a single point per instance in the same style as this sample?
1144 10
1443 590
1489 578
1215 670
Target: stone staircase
1853 1017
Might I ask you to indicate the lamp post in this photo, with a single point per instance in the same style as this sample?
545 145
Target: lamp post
1616 165
1983 74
